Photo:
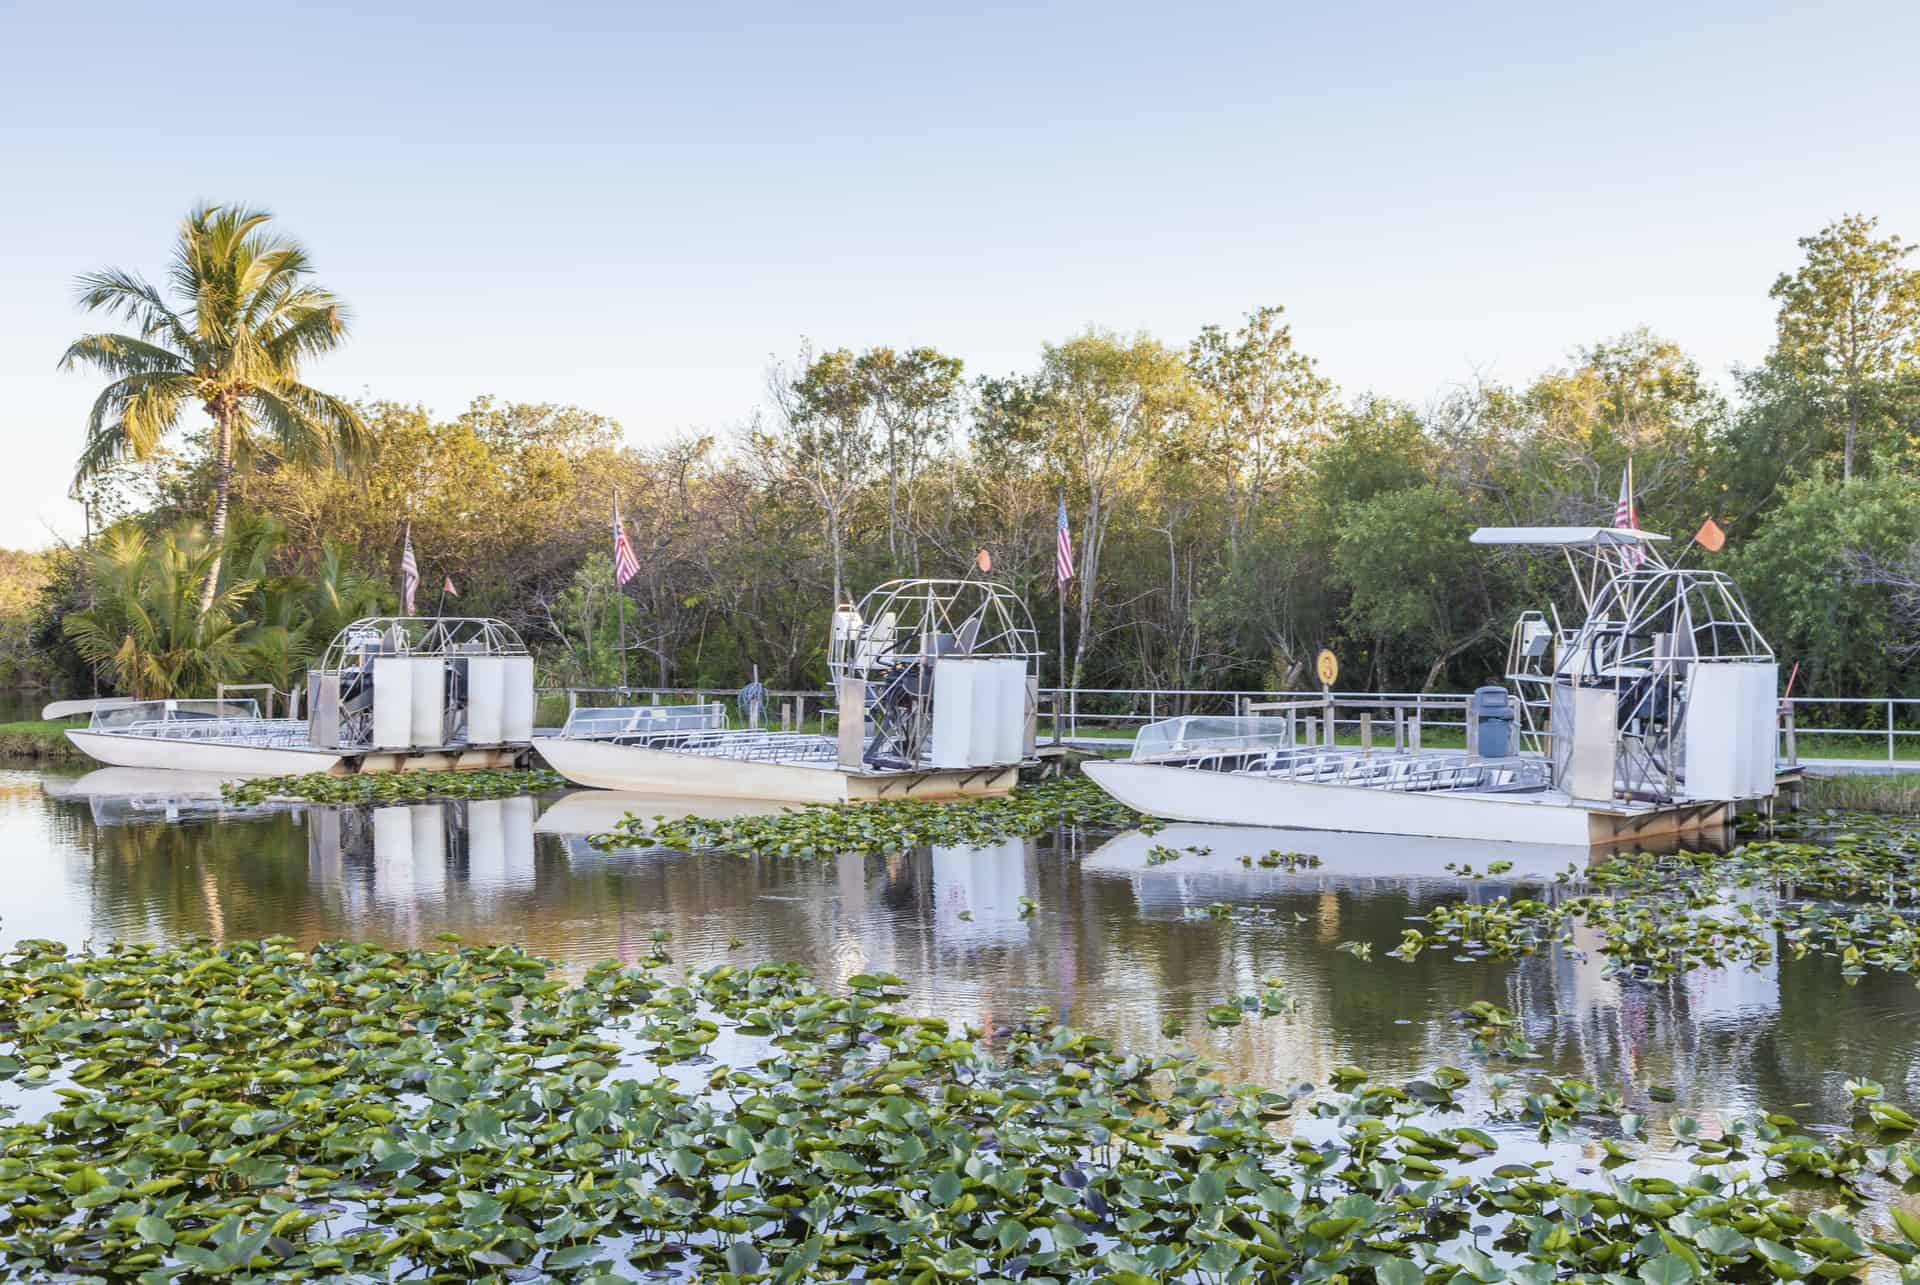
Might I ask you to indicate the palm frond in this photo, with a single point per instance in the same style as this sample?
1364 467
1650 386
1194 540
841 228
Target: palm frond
130 417
310 426
121 355
309 322
125 294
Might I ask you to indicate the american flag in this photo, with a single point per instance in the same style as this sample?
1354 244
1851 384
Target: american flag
1063 548
409 573
1625 519
625 565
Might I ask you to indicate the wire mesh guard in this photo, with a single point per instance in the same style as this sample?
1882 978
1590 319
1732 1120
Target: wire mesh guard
341 689
374 636
890 644
1647 632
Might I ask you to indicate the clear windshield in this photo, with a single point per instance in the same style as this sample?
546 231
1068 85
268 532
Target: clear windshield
172 711
1212 733
645 720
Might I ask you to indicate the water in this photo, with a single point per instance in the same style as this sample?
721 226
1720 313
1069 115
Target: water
1111 945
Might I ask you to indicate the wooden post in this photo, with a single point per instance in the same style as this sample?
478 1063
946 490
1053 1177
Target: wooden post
1312 724
1793 749
1399 728
1366 732
1329 724
1413 732
786 716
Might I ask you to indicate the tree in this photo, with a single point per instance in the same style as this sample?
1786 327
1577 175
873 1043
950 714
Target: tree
149 631
1848 327
1554 451
1413 577
1104 407
1264 404
1801 575
245 319
824 440
915 397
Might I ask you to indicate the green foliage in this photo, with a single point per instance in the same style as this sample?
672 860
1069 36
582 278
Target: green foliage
148 631
217 1109
883 825
1412 577
392 787
1801 575
1848 334
1231 512
244 320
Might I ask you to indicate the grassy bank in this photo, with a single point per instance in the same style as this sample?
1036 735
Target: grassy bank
39 742
1895 792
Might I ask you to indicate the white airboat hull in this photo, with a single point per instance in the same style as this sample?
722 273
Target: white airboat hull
1226 798
639 770
179 754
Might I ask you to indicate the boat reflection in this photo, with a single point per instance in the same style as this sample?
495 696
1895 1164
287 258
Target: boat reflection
423 851
1077 924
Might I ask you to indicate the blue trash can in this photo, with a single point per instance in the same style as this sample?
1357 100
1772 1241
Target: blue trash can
1491 710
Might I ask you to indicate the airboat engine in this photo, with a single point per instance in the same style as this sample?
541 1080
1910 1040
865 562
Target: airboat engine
1666 690
408 684
936 674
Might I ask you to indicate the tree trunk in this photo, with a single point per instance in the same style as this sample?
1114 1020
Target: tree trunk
222 489
893 501
1853 428
833 540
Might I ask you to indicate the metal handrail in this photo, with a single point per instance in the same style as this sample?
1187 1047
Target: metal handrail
1898 727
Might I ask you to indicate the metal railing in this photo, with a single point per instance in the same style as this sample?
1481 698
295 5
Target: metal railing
1108 714
1895 725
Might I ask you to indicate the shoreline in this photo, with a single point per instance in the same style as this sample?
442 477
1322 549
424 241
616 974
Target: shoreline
40 742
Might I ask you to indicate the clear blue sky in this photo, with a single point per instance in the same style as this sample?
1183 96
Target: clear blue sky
630 207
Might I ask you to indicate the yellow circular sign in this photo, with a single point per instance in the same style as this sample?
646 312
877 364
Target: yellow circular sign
1328 666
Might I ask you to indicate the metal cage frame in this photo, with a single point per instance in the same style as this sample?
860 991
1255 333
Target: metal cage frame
890 641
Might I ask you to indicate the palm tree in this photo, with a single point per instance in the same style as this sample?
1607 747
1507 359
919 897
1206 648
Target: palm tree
147 631
246 318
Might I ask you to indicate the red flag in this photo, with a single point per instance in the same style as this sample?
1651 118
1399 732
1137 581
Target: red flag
984 561
1710 537
1063 547
1627 518
625 565
409 573
447 588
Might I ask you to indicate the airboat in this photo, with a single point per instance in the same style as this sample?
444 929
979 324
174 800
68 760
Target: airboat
391 693
935 686
1655 715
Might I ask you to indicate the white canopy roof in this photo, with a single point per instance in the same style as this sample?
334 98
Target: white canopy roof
1562 536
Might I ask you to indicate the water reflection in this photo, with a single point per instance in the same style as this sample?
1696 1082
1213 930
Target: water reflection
1079 924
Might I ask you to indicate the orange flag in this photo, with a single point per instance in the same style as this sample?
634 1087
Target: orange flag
984 561
1710 537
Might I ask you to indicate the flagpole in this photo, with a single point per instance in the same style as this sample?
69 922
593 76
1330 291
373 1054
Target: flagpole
620 592
1059 705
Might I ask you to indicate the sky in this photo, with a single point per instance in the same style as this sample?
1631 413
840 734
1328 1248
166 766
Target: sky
634 207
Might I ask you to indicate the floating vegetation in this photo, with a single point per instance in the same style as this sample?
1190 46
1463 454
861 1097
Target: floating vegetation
393 787
1276 859
254 1111
1856 898
885 825
1159 854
